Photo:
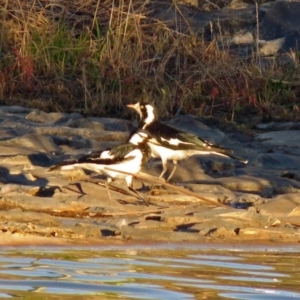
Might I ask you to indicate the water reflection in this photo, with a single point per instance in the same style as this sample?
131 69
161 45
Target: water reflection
150 274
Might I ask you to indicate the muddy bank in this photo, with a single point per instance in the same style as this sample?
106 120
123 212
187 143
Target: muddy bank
211 199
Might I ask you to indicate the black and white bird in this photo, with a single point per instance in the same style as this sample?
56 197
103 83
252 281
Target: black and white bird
127 157
169 143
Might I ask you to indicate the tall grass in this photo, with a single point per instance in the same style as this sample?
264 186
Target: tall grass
95 56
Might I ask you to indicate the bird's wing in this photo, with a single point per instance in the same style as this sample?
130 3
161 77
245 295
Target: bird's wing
119 152
202 145
110 156
196 142
73 161
170 137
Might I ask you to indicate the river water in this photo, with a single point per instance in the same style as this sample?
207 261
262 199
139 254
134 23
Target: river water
167 271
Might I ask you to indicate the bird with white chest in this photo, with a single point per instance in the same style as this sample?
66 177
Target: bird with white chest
169 143
128 157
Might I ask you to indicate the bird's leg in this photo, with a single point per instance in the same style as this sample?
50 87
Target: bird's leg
160 177
129 181
165 168
107 181
173 171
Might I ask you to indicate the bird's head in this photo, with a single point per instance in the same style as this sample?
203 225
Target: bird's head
146 111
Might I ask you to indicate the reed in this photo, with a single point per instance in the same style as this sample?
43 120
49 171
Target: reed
96 56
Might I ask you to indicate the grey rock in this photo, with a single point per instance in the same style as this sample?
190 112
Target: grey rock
79 142
84 132
142 234
34 159
38 142
249 218
291 41
67 119
266 191
290 138
214 192
217 164
234 23
277 161
193 125
85 123
18 215
293 221
181 220
228 222
88 230
245 183
187 170
215 229
281 205
112 124
151 224
118 222
275 24
279 126
247 198
42 117
266 185
9 154
295 174
281 234
224 232
15 109
270 47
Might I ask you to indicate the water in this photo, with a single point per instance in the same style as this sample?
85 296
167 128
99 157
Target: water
151 272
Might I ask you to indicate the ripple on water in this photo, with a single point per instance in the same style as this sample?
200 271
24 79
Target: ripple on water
156 274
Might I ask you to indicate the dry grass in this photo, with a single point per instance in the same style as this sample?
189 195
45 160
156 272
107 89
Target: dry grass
96 56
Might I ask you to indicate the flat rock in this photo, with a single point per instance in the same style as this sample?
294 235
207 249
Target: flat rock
34 159
266 186
187 170
75 205
279 126
151 224
274 24
289 138
277 161
18 215
112 124
281 205
292 220
249 218
193 125
85 123
34 141
6 151
277 234
142 234
43 117
177 219
84 132
14 109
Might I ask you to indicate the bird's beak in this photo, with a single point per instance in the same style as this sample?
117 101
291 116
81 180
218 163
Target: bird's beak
131 105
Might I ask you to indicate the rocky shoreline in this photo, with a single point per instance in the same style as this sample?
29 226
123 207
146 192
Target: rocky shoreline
259 201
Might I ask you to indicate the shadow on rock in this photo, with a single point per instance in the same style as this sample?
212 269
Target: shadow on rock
22 179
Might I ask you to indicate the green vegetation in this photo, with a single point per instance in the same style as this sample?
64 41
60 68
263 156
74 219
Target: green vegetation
96 56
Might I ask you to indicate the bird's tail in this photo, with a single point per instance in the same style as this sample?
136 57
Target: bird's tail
227 152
